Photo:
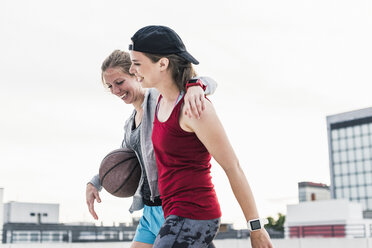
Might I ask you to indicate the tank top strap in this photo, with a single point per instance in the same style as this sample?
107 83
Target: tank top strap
177 107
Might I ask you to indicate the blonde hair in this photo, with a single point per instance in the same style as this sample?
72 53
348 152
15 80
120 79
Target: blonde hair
119 59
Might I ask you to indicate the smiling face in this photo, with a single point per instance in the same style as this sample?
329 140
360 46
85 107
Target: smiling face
148 73
123 85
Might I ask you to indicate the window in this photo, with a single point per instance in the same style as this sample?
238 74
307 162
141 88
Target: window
362 192
342 133
350 143
368 178
339 193
334 134
368 165
343 157
345 181
369 192
346 193
344 168
342 144
361 180
337 169
335 145
358 143
365 141
365 129
353 180
359 166
34 237
356 130
351 155
354 192
359 154
338 182
56 237
349 132
336 157
352 167
367 153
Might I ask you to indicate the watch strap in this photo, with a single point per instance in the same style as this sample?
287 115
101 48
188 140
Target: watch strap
195 83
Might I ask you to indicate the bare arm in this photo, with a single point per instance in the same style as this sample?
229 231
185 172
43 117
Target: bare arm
212 134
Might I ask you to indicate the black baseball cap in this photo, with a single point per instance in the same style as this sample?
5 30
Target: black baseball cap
160 40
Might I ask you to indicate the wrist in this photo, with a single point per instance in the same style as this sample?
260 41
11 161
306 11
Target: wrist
195 82
256 224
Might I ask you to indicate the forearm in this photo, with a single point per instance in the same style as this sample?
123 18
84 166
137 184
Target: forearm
242 192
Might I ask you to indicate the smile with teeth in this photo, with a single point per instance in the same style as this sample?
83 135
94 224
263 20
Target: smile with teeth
125 94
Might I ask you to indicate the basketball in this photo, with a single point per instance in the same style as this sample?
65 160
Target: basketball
120 172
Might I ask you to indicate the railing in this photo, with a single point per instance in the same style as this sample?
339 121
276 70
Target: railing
339 231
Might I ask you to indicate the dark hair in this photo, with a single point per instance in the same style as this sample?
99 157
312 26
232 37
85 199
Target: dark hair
181 69
119 59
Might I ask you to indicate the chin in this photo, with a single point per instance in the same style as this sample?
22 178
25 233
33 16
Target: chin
145 85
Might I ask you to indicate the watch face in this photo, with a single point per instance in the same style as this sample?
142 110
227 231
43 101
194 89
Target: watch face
255 225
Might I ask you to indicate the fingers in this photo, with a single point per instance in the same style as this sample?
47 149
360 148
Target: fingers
194 106
91 210
91 195
96 195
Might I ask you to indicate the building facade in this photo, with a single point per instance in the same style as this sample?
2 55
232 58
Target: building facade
27 212
350 157
327 218
309 191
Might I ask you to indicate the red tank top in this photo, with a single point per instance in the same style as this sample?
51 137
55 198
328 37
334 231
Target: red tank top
183 162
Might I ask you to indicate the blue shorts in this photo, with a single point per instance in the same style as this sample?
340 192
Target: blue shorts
149 224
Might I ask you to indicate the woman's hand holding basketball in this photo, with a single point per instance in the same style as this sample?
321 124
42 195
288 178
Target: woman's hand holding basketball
91 195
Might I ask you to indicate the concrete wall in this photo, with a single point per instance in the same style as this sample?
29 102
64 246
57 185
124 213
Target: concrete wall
320 193
227 243
328 212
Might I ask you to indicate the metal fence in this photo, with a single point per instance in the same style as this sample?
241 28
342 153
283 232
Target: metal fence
337 231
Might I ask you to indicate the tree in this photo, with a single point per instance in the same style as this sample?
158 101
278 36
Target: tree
278 224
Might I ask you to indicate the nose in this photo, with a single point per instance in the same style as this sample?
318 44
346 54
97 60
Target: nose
131 69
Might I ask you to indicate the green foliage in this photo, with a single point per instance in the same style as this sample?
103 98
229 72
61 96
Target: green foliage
277 224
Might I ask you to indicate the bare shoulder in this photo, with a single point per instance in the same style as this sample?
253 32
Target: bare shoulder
189 124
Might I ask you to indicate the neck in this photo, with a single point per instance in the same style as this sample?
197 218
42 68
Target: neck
169 90
137 104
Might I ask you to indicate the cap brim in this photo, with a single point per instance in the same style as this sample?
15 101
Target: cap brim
188 57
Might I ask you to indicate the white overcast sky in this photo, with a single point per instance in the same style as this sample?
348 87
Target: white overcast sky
281 66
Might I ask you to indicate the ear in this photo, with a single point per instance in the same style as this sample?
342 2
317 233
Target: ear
163 62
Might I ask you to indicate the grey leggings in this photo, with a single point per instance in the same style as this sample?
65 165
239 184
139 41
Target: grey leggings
180 232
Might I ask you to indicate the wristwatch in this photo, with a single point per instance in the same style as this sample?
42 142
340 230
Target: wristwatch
193 82
256 224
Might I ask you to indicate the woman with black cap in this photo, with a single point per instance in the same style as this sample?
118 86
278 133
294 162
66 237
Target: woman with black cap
183 147
138 128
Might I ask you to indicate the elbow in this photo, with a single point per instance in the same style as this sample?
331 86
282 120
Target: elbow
233 168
